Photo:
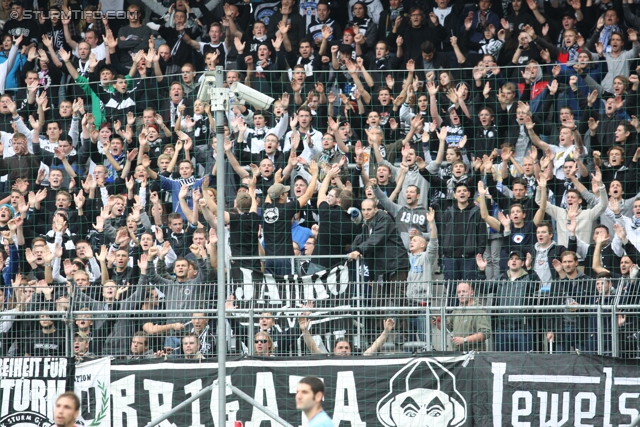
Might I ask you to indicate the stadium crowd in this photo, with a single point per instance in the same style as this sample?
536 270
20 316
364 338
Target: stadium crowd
495 143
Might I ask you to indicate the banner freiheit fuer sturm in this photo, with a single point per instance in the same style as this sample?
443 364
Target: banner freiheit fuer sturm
29 387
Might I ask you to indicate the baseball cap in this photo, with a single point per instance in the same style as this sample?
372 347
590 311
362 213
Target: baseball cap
516 253
276 190
301 178
345 48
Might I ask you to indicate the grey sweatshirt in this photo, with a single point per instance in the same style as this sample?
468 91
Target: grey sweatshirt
413 178
406 217
420 277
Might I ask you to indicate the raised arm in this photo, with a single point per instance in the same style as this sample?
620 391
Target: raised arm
235 165
324 188
484 212
535 139
102 258
399 182
313 168
597 251
306 335
389 324
66 20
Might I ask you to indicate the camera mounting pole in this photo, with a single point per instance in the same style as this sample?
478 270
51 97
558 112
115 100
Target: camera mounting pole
219 98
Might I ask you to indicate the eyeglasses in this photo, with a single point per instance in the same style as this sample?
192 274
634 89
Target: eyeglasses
260 341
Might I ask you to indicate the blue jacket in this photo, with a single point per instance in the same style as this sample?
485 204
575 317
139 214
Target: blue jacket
174 186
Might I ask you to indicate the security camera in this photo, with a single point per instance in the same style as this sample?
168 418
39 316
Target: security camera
258 99
210 93
207 86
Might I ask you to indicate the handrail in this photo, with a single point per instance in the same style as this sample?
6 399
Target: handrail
517 309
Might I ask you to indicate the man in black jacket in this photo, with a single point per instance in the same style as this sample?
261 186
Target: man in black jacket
415 33
380 244
381 247
515 288
464 235
573 289
22 165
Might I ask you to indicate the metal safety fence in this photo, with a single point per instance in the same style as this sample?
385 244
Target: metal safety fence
298 315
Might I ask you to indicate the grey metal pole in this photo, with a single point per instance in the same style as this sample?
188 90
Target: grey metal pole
614 330
359 294
428 326
251 328
175 410
207 390
247 398
443 326
68 331
600 332
222 298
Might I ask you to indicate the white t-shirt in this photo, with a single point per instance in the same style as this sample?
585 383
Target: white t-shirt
560 154
442 14
100 52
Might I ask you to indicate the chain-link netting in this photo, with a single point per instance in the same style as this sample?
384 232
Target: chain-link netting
409 190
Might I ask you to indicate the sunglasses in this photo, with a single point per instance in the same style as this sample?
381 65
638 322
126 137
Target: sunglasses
260 341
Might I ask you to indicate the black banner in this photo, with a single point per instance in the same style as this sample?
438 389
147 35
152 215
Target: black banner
359 391
555 390
29 387
488 389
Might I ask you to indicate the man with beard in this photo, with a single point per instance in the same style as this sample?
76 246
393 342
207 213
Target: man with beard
310 139
181 292
67 410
